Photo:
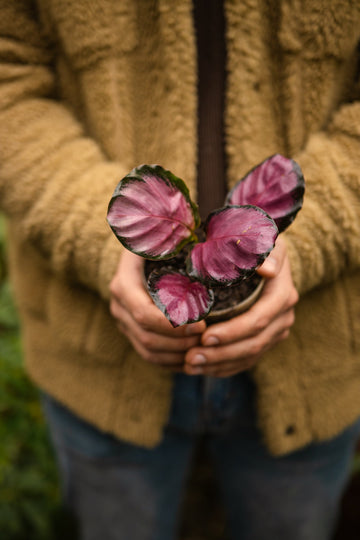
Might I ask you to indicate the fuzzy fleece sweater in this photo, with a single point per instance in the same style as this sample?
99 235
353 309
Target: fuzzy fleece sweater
90 89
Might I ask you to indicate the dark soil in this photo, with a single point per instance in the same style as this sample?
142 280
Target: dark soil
226 297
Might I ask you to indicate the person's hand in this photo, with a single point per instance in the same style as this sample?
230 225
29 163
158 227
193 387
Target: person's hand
236 345
149 331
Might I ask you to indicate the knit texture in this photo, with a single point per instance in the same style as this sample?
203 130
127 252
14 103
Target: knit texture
90 89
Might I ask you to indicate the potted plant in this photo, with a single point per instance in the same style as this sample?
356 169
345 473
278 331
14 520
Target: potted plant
192 268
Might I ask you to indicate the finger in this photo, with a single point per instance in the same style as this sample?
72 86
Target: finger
162 358
226 369
151 341
247 325
151 319
251 348
174 341
276 298
158 342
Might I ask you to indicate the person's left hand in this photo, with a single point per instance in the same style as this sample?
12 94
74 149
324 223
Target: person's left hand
236 345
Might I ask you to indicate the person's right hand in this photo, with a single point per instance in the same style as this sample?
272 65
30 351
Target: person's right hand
136 315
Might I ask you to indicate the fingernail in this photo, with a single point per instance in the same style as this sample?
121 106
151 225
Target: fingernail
211 340
198 360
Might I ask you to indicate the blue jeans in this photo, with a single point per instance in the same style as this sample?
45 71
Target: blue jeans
122 491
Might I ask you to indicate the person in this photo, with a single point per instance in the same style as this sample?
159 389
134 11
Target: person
88 90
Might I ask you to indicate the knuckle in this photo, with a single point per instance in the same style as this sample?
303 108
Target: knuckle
254 350
284 335
149 357
115 310
112 308
291 318
148 341
294 297
288 319
140 317
114 287
260 323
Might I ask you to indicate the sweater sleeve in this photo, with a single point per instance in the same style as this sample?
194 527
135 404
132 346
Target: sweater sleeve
55 181
324 240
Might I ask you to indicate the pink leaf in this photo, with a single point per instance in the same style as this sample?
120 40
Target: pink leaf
276 185
151 213
181 299
238 239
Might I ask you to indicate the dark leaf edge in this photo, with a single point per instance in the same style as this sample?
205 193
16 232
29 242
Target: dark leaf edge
297 193
167 176
139 172
155 275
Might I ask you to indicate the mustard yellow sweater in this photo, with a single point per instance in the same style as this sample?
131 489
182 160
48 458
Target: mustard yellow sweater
91 88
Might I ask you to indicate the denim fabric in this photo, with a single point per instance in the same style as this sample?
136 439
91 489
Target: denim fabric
122 491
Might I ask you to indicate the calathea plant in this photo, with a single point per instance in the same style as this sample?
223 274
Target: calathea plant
152 215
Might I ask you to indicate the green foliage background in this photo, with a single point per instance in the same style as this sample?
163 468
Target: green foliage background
30 506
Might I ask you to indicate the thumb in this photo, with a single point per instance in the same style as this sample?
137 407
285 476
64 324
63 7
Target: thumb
274 261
